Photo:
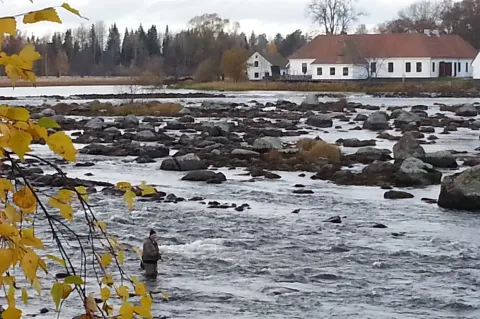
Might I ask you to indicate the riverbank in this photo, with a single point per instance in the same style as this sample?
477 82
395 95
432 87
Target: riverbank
455 88
71 81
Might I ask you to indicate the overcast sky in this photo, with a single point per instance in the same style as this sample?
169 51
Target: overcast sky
262 16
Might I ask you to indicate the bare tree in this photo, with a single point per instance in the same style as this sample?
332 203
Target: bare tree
335 16
361 29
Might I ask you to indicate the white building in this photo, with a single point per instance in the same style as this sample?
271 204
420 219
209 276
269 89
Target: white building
362 56
262 65
476 67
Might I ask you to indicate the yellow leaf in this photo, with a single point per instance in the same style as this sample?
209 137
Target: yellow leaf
29 55
11 296
126 311
12 215
12 313
48 14
37 132
29 265
29 239
67 212
66 6
37 286
140 289
102 226
148 190
146 302
8 25
90 303
7 230
67 289
24 296
25 200
47 122
76 280
106 260
165 296
105 293
121 257
129 196
57 292
124 186
6 259
61 144
18 114
122 292
19 143
58 260
82 191
107 280
142 312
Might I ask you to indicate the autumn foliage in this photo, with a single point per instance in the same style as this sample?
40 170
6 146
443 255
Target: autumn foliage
234 64
20 202
315 149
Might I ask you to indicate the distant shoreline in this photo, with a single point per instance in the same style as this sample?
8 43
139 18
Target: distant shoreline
70 81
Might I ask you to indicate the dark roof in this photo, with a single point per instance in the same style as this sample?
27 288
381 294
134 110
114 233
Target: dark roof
275 59
348 49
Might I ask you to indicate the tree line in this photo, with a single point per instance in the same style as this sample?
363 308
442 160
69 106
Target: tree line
98 50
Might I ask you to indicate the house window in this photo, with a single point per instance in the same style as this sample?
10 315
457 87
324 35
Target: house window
304 68
373 67
433 66
390 67
419 66
459 67
345 71
466 67
408 67
256 64
256 75
319 71
332 71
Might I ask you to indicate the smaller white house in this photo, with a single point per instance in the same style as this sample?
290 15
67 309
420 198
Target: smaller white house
476 67
263 65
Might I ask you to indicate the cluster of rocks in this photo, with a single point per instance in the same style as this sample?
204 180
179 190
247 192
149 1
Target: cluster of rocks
253 141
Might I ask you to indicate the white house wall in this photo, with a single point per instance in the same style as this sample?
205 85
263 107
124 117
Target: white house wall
354 72
263 68
465 70
476 67
400 68
296 66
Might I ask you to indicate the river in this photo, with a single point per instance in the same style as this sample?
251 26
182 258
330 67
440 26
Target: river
266 262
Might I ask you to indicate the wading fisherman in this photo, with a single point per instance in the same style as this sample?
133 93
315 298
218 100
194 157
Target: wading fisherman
151 255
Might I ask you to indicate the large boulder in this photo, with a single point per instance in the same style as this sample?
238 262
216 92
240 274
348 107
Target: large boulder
461 191
377 121
129 121
322 121
403 118
145 136
441 159
188 162
368 155
95 124
467 110
48 112
406 147
267 143
414 172
221 128
311 100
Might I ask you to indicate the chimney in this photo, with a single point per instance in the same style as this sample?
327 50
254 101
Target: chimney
426 32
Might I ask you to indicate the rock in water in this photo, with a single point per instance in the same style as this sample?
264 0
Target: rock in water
267 143
322 121
377 121
311 100
205 176
406 147
95 124
442 159
188 162
414 172
467 110
397 195
461 191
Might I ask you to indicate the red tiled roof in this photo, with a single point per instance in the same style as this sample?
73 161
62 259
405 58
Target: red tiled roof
347 49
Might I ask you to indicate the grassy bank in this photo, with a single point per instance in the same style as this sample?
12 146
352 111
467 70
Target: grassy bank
439 86
71 81
107 109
